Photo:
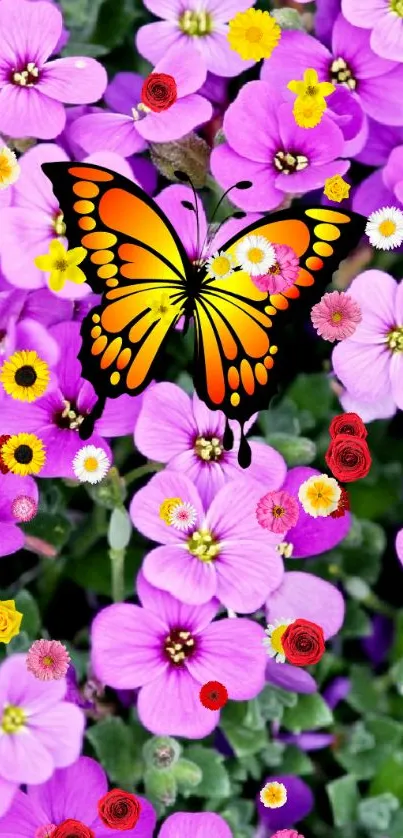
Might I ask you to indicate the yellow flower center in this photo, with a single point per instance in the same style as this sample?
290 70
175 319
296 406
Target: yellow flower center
60 265
203 546
196 23
387 228
209 450
276 639
6 168
255 255
288 163
167 507
26 77
319 494
69 418
91 464
396 6
179 645
341 73
395 339
14 719
47 660
253 34
59 225
285 548
336 317
277 511
220 265
274 795
311 90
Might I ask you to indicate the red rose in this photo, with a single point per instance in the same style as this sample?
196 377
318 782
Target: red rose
348 423
348 458
213 695
72 829
303 643
3 440
344 505
159 92
119 809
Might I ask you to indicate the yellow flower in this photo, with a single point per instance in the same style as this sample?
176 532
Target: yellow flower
308 112
23 454
253 34
162 307
166 508
62 265
10 620
319 495
273 795
336 189
310 87
25 376
9 168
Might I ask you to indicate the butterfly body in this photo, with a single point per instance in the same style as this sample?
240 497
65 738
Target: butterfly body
136 260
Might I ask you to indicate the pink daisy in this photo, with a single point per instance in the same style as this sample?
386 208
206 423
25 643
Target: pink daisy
288 833
283 273
277 511
336 316
183 516
48 660
24 508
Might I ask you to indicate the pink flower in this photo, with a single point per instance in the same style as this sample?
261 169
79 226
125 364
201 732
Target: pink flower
24 508
336 316
48 660
288 833
283 273
277 511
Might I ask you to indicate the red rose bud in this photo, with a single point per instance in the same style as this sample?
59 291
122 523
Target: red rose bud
213 695
348 458
303 643
72 829
3 467
348 423
119 809
344 505
159 92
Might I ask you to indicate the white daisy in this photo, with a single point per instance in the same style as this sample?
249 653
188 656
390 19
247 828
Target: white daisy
183 516
272 642
9 167
256 255
385 228
220 265
91 464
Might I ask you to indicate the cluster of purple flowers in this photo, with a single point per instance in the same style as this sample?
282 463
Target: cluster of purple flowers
70 106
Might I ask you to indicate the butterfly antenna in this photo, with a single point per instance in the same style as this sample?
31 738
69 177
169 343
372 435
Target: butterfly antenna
242 184
185 178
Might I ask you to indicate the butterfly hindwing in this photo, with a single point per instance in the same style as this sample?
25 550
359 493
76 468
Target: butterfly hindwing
135 260
239 352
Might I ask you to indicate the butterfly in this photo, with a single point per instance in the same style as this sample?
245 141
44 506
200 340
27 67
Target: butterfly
136 260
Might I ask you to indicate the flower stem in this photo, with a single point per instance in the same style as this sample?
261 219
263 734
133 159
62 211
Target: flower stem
140 471
117 558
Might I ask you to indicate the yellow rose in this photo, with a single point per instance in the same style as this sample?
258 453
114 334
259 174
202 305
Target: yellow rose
336 189
10 620
167 506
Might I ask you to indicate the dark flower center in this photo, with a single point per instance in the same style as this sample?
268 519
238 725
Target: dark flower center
395 339
59 225
341 73
208 449
278 511
287 162
25 376
27 76
69 418
179 645
195 23
23 454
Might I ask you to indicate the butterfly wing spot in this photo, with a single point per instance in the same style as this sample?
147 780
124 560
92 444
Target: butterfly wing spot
83 207
328 232
112 283
235 399
268 362
270 310
91 173
124 358
115 378
328 215
96 332
83 189
99 345
111 353
273 350
233 378
86 223
322 248
107 271
261 374
314 263
96 318
247 377
102 257
99 240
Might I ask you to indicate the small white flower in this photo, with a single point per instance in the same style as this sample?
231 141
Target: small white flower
256 255
385 228
91 464
220 265
183 516
9 167
272 642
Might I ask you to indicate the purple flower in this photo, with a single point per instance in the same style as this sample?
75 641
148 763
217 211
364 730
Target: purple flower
132 647
226 554
197 825
385 20
383 187
11 487
299 804
266 146
181 431
326 13
20 332
127 129
55 418
35 218
40 731
399 546
289 677
337 691
72 792
308 597
370 363
200 24
377 645
32 89
312 536
382 408
376 82
311 740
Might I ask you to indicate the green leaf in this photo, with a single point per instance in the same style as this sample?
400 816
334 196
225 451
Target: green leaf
344 798
296 762
115 20
273 700
215 781
297 451
243 741
363 696
74 47
160 785
113 743
20 643
53 529
288 19
93 571
26 605
376 812
356 622
312 392
187 774
310 712
389 777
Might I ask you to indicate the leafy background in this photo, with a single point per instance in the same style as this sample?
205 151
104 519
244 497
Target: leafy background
64 575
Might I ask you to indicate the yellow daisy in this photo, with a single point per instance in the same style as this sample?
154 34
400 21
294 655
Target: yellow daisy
9 167
272 642
310 87
253 34
308 112
319 495
167 507
273 795
25 376
23 454
62 265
